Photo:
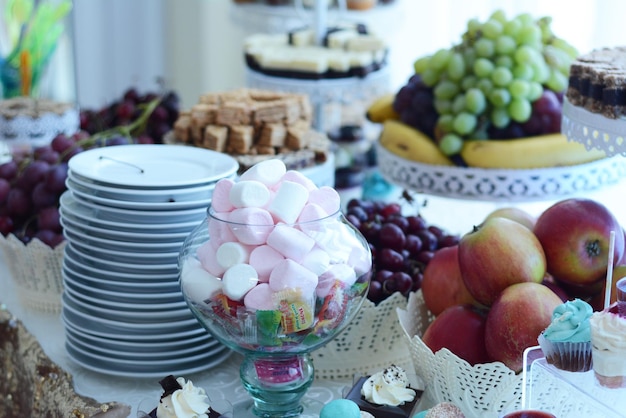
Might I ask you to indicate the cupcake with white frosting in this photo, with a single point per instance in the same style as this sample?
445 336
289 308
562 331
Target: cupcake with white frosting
608 341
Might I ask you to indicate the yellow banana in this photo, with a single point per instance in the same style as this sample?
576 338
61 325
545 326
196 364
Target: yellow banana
411 144
381 109
543 151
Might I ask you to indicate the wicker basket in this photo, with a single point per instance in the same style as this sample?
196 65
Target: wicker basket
370 343
481 391
36 271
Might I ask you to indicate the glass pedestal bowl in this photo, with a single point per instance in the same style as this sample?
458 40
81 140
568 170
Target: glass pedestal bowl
275 293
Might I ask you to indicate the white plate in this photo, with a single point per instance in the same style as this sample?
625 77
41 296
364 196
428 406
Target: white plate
182 352
127 256
201 340
115 314
139 216
114 266
137 204
155 165
90 215
185 194
154 370
120 276
111 244
115 292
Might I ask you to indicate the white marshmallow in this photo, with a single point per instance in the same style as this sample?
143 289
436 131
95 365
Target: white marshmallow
238 280
199 284
208 259
230 253
220 200
327 197
251 226
298 177
290 242
361 259
264 258
288 202
290 275
260 298
249 194
317 260
268 172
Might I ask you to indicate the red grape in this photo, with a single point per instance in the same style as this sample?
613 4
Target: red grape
391 236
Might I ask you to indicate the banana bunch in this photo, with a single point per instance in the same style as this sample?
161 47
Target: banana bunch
543 151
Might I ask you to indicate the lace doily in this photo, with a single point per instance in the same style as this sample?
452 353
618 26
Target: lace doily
369 344
594 130
500 184
36 271
26 130
481 391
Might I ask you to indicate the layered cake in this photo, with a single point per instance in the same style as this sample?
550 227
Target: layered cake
181 398
385 394
32 385
27 122
253 125
345 51
608 341
597 82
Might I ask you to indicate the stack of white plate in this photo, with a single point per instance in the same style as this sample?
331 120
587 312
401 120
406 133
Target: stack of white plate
125 216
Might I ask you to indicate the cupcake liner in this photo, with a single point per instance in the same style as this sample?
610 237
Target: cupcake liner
565 355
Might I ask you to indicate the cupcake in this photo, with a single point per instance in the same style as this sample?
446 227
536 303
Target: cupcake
608 340
442 410
566 342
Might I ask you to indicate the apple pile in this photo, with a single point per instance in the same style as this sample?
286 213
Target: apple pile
493 293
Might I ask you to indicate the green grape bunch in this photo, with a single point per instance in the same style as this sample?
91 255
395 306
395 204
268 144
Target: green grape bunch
493 76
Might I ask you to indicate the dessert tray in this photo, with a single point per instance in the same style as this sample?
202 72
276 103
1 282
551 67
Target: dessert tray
500 185
594 130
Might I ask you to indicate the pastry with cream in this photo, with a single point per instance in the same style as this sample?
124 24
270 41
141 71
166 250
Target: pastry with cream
608 342
181 399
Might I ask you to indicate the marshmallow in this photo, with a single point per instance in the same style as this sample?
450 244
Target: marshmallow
219 232
317 260
249 194
361 259
198 283
230 253
259 298
327 198
337 272
290 275
264 258
298 177
239 280
268 172
220 201
312 212
288 202
290 242
208 259
251 226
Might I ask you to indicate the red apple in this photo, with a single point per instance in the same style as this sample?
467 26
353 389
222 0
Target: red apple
442 283
497 254
460 329
575 235
515 214
516 318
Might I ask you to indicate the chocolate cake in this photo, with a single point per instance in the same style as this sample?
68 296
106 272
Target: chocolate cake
34 386
380 411
170 385
597 82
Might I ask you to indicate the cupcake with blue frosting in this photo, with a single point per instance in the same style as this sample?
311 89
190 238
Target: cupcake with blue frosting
566 342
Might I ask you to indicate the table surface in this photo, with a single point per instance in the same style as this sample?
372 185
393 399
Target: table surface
220 381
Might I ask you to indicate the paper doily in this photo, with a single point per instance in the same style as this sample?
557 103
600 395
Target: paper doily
481 391
25 130
500 184
594 130
36 271
370 343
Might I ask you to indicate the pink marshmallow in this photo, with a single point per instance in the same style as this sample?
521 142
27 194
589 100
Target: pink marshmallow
268 172
219 232
207 255
290 242
220 200
298 177
337 272
317 260
361 259
327 198
288 202
251 226
312 212
249 194
259 298
290 275
239 280
264 258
